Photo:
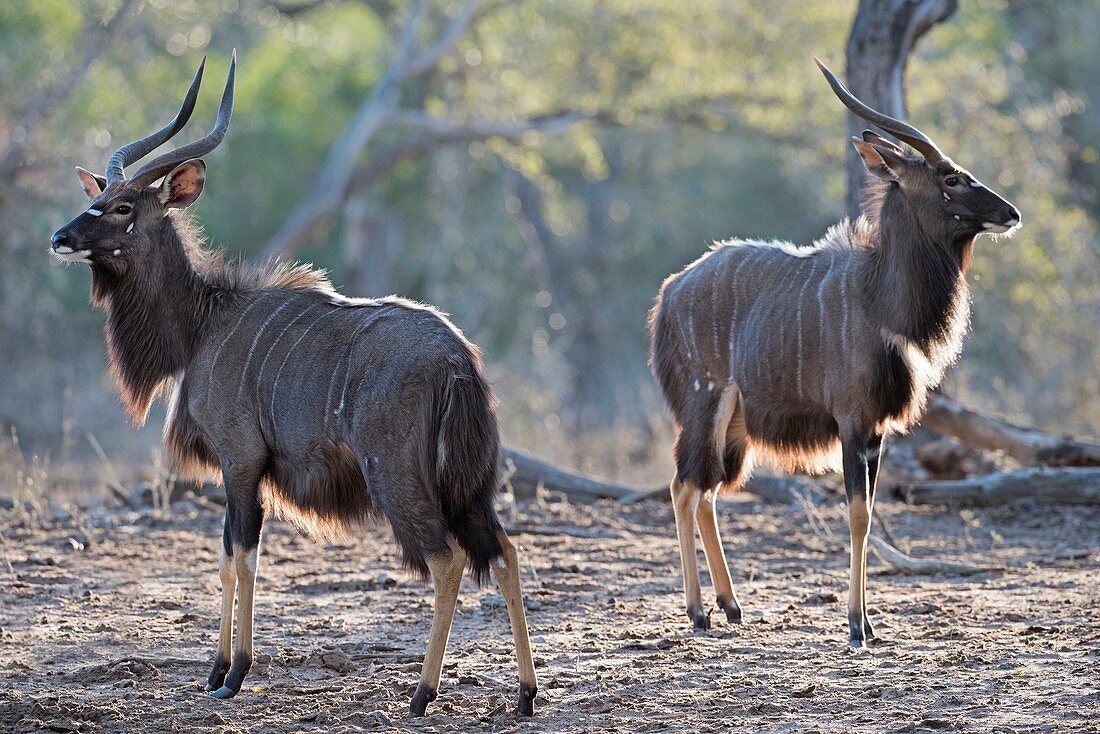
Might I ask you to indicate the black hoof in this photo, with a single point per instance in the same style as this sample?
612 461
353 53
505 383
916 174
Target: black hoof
699 618
234 679
732 610
527 699
217 675
856 638
424 695
868 630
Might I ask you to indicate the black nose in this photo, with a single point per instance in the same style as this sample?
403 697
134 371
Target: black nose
59 238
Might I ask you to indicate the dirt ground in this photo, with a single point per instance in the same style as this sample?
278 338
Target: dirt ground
109 619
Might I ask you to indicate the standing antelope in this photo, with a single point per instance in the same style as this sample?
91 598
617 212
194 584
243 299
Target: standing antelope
807 356
325 409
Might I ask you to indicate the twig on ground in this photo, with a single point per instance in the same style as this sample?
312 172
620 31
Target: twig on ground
892 556
110 475
885 530
7 558
572 532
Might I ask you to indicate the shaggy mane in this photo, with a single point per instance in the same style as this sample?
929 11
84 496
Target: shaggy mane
239 276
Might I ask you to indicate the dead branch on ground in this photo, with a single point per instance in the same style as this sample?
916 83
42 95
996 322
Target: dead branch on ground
892 556
1045 486
1029 446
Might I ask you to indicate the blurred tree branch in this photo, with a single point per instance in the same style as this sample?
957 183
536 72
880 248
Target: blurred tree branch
331 182
437 132
97 38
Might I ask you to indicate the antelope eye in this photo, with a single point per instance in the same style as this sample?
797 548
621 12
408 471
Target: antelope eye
951 180
123 209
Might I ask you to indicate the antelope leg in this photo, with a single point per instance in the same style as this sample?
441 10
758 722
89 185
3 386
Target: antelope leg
228 573
859 524
446 569
685 498
707 520
507 576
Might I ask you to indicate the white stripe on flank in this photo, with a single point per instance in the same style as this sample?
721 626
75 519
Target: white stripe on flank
778 316
735 333
821 338
275 385
218 354
672 303
691 327
798 324
275 342
844 308
255 341
347 375
732 291
717 282
331 384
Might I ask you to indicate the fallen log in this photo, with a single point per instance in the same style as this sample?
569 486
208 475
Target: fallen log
1046 486
1029 446
524 473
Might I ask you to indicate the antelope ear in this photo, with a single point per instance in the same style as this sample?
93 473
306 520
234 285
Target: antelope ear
92 184
870 136
183 185
877 160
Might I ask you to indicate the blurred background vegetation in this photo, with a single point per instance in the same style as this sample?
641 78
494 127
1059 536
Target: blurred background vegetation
701 121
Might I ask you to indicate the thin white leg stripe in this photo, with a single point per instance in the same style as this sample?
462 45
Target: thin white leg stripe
255 341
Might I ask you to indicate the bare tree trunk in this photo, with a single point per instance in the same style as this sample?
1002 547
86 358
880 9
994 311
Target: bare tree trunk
883 35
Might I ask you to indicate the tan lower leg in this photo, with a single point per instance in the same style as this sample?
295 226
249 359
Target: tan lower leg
246 563
707 521
228 573
685 498
507 576
446 569
859 524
